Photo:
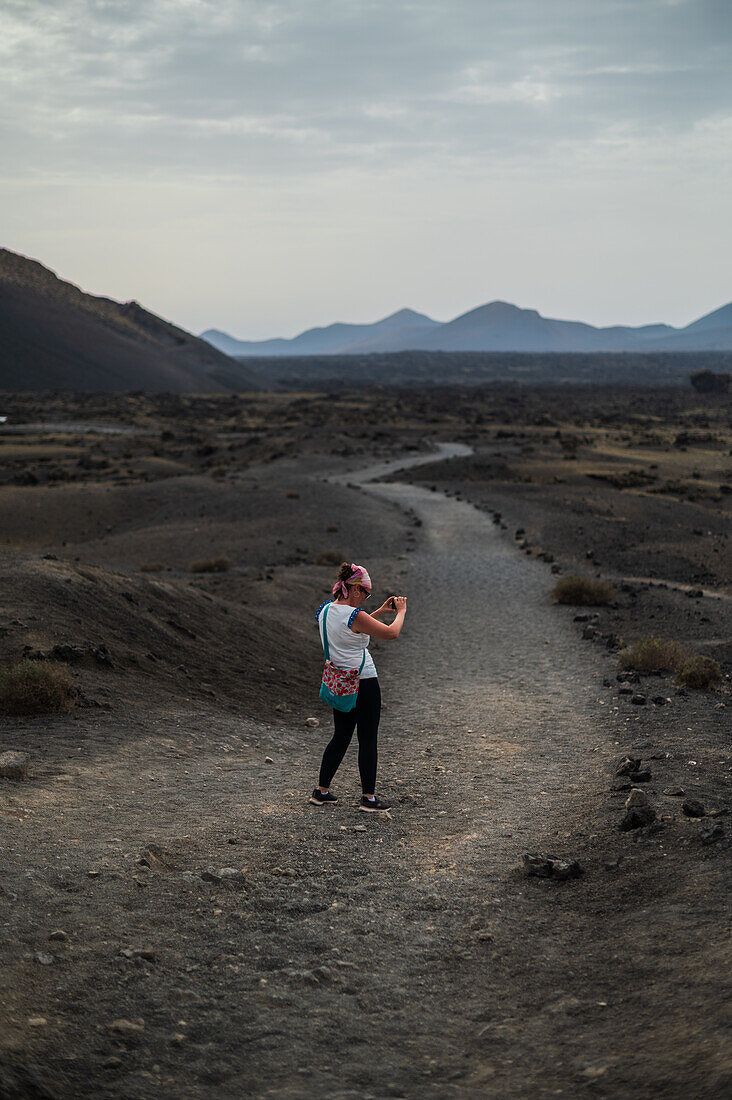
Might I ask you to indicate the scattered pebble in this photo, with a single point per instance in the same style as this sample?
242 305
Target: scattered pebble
37 1021
711 833
628 765
44 959
692 807
127 1027
551 867
14 765
58 934
268 760
312 722
638 811
138 953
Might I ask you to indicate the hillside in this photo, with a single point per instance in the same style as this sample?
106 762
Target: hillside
494 327
56 337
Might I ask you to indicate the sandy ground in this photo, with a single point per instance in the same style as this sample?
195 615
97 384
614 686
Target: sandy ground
352 956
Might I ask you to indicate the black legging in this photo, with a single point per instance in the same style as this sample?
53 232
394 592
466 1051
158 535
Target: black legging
365 717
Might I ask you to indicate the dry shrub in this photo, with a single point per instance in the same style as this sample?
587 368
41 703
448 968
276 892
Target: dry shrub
152 567
664 655
699 672
36 687
654 655
292 495
583 591
209 565
328 557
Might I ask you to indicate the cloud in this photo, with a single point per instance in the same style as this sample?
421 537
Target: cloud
236 87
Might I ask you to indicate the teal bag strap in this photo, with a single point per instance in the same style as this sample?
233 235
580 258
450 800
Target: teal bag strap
326 649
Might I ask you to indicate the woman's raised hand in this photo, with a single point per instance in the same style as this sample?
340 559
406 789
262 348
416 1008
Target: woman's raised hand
400 603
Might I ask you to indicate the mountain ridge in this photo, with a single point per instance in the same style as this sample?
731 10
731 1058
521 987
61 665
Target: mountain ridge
495 326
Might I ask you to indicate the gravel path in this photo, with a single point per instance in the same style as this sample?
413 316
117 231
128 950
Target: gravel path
354 956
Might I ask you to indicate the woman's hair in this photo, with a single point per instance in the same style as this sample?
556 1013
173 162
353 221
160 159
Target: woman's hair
344 572
349 573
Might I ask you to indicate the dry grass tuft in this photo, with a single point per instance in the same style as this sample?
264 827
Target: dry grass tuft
583 591
36 687
664 655
699 672
653 655
152 567
209 565
328 557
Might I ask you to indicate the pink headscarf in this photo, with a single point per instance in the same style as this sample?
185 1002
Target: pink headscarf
358 575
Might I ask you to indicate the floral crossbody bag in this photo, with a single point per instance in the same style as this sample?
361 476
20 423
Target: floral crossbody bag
339 686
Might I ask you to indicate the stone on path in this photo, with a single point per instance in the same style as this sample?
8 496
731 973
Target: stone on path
692 807
14 765
127 1028
312 722
711 833
638 811
628 765
551 867
156 858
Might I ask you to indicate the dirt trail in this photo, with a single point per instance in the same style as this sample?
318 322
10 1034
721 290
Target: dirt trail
357 956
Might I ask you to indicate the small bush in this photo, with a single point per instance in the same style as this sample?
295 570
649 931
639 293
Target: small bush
583 591
152 567
209 565
699 672
36 687
664 655
328 557
653 655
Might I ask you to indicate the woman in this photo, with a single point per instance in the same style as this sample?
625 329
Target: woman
349 632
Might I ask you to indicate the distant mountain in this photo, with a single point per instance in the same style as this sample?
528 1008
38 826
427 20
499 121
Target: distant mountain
54 336
337 339
497 326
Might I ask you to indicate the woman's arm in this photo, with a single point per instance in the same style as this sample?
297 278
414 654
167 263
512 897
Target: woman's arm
367 624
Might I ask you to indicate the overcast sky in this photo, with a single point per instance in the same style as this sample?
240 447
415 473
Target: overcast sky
260 167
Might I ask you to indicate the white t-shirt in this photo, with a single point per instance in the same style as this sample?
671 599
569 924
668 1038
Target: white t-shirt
346 647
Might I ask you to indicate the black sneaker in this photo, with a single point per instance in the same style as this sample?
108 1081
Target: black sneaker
372 806
319 799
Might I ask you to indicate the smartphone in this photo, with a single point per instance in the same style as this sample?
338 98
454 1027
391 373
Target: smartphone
392 604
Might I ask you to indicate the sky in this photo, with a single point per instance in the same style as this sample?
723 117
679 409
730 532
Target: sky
261 167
